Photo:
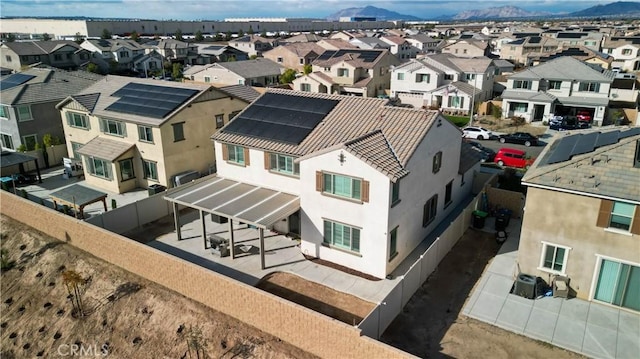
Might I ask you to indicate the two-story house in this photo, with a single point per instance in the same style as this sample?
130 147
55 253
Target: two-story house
62 54
259 72
444 81
591 39
520 51
132 132
28 100
582 215
220 53
360 182
424 43
400 47
581 53
625 51
295 55
562 86
119 51
253 45
467 48
174 51
359 72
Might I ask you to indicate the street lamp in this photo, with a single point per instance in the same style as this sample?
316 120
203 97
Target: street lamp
473 97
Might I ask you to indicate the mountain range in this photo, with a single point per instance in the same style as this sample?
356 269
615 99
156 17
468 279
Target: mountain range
620 8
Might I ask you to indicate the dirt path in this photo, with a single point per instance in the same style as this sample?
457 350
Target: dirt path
431 325
127 316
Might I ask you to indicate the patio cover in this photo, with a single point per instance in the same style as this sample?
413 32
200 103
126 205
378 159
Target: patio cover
8 159
105 148
77 197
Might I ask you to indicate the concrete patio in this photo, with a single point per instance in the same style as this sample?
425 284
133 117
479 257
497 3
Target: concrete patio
590 328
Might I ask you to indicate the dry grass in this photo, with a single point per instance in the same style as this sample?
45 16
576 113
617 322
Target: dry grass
506 126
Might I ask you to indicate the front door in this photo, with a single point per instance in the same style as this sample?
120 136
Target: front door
294 224
538 112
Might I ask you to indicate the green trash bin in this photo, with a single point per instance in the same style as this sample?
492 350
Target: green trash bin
479 218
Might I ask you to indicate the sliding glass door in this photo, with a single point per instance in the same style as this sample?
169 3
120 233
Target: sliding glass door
619 284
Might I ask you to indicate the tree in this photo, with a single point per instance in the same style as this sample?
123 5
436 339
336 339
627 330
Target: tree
46 37
72 280
288 76
263 33
134 36
307 69
250 32
91 67
176 71
218 36
11 37
228 36
78 38
199 37
253 57
106 34
178 35
240 33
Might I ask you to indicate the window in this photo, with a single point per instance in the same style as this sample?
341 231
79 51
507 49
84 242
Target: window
400 76
395 192
124 54
77 120
343 186
302 61
455 101
30 141
8 57
553 258
178 131
622 215
464 51
589 87
279 60
150 169
4 111
343 72
626 51
393 243
207 79
555 85
7 141
618 284
126 169
305 87
448 77
57 57
235 154
219 120
437 162
74 150
518 106
470 77
429 210
112 127
447 194
24 113
342 236
145 134
522 84
283 164
422 78
99 167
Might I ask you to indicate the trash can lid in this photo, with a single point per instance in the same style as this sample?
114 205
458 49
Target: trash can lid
480 213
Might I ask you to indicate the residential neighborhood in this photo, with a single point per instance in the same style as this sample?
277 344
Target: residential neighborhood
340 185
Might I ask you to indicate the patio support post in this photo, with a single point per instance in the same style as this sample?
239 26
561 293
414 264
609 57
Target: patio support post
176 220
204 229
38 171
231 240
261 236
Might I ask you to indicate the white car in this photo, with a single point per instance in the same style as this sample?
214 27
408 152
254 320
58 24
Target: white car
477 133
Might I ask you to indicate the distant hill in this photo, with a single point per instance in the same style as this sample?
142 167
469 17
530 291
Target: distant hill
370 11
619 8
497 13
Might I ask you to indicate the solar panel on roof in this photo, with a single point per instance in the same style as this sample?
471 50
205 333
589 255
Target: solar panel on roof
562 149
535 39
14 80
281 118
586 143
630 132
149 100
607 138
364 55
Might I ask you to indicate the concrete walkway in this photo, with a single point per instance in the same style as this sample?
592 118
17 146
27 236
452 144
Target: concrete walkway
590 328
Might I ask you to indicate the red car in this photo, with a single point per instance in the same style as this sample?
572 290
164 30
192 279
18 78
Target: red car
512 157
584 116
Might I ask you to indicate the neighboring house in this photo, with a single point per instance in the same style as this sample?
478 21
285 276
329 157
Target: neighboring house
335 44
295 55
520 51
503 66
346 35
148 64
369 43
120 51
562 86
444 81
349 71
400 47
424 43
133 133
590 40
221 53
363 182
174 51
28 100
579 52
259 72
625 51
467 48
582 217
498 42
61 54
301 38
253 45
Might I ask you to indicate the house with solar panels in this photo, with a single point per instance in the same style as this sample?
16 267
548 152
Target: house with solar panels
361 183
582 215
357 72
519 51
28 100
562 86
132 133
625 51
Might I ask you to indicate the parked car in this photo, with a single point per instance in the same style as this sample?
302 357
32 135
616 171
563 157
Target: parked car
487 154
584 116
512 157
478 133
568 123
522 138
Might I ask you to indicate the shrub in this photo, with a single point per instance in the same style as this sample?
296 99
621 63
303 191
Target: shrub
496 112
22 148
518 121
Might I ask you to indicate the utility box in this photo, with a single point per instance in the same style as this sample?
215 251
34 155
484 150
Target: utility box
525 286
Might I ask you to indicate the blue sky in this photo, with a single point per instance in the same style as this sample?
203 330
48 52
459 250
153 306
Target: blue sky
219 9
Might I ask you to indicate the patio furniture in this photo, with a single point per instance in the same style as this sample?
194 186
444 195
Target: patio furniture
219 245
561 287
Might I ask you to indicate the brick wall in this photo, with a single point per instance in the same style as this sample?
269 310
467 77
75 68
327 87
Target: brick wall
302 327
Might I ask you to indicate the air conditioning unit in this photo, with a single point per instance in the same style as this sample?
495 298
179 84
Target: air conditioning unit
219 219
525 286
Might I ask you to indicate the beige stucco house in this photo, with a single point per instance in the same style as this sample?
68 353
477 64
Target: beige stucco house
467 48
295 55
582 215
132 133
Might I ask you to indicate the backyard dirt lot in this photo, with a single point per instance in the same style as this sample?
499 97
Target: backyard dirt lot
432 326
126 316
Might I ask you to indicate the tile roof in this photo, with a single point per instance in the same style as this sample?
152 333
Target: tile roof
87 101
39 47
394 39
607 171
352 57
243 92
302 49
105 148
468 157
334 44
252 68
353 120
565 67
115 44
528 95
374 149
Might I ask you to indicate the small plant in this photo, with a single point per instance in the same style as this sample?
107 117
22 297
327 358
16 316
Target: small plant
518 121
72 280
24 194
114 205
22 148
496 112
5 263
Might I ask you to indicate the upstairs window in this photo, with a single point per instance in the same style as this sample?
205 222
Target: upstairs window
24 113
522 84
235 154
555 85
219 120
422 78
437 162
145 134
305 87
400 76
178 131
77 120
112 127
395 192
626 51
282 164
589 87
343 72
4 111
619 216
342 186
429 210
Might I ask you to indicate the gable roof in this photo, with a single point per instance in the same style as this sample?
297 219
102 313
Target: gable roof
595 163
354 123
252 68
564 67
355 57
243 92
114 44
39 47
105 148
300 49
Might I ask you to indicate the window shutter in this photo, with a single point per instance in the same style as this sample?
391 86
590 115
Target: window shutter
365 191
225 152
246 157
267 161
635 222
319 181
68 118
605 213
